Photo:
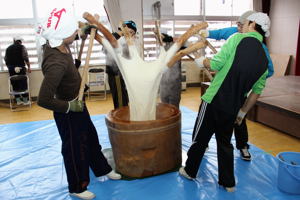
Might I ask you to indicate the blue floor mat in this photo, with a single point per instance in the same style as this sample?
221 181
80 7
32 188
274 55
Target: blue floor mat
31 168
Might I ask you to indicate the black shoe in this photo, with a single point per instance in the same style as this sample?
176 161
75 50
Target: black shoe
245 154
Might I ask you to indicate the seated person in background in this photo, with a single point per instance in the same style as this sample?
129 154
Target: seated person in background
240 132
15 58
242 67
170 84
115 80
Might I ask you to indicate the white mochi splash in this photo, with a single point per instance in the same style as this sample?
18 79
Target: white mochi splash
142 78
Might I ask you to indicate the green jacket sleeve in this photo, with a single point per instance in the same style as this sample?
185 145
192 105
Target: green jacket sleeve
224 55
260 83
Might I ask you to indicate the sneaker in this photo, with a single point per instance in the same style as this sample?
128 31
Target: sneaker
19 101
113 175
245 154
25 101
84 195
229 189
183 173
206 149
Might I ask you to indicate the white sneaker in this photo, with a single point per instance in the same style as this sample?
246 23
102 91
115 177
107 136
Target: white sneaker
19 101
113 175
84 195
25 101
183 173
230 189
207 148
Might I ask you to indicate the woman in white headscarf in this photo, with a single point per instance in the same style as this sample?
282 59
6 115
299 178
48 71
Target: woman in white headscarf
59 91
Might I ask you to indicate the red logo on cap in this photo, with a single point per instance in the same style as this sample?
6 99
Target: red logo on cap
56 14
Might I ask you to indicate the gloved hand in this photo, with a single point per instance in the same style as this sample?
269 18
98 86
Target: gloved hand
199 61
87 29
240 116
76 106
18 69
204 33
186 44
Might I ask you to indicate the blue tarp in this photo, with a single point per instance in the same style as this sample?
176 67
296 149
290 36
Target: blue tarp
31 168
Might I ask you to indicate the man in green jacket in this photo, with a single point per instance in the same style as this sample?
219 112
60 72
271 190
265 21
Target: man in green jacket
242 67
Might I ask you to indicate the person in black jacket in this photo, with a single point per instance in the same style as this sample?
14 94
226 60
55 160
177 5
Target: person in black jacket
16 57
115 80
170 84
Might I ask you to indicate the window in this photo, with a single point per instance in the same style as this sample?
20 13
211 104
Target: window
13 9
218 14
14 21
27 32
184 8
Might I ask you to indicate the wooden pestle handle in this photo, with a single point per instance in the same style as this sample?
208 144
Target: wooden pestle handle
86 65
180 54
191 31
209 44
107 34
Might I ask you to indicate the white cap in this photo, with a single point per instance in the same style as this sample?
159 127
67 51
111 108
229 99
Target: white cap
263 20
17 37
60 24
242 19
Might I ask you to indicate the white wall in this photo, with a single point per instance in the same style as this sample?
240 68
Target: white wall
284 17
35 77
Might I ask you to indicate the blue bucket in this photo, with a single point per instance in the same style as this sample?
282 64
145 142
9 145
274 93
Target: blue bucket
288 179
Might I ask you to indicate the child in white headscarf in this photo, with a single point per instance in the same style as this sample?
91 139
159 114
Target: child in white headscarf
59 91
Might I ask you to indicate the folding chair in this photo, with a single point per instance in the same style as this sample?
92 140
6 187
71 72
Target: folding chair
18 85
97 82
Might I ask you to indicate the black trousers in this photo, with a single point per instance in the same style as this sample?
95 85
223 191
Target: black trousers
18 85
241 135
80 149
118 90
209 121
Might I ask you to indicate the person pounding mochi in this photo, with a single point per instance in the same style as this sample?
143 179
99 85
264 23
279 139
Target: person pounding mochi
115 79
242 67
170 84
59 91
240 131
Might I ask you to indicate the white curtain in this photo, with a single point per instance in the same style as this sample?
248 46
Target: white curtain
113 10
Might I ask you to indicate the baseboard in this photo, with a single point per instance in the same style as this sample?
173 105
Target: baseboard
193 84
